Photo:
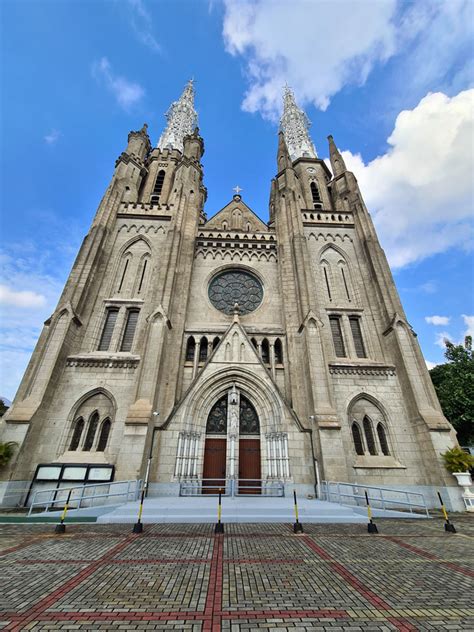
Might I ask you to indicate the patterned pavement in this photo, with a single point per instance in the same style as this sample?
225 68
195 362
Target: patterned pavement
412 576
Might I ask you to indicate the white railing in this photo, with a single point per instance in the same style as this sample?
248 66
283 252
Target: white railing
85 495
230 487
379 497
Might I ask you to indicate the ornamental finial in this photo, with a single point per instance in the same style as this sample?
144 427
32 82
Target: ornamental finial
295 127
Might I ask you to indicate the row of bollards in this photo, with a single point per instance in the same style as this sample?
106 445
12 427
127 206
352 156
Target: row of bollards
219 526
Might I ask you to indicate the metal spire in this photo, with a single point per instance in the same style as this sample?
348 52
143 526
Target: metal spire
295 125
182 119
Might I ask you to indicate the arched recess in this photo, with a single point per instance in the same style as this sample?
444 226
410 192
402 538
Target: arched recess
132 268
86 421
369 427
335 275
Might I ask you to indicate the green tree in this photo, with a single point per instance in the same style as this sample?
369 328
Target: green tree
6 452
3 408
454 384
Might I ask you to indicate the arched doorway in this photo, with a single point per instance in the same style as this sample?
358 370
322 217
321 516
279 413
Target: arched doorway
215 448
249 448
232 446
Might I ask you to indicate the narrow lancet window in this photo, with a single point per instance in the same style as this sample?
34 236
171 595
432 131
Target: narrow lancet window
104 436
203 349
77 434
190 349
357 336
315 195
357 438
129 333
108 329
383 440
278 351
338 340
369 436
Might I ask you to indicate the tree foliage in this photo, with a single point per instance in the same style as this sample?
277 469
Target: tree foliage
454 384
6 451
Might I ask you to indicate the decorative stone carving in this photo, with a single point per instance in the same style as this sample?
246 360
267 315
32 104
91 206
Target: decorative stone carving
235 286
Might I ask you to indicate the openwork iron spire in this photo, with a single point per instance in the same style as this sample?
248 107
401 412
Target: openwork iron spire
182 119
295 125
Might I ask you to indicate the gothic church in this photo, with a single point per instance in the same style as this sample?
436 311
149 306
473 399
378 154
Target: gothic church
243 355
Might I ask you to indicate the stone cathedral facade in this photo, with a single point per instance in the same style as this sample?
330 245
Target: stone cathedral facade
258 353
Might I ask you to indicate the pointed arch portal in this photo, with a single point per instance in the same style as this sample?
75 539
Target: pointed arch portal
232 430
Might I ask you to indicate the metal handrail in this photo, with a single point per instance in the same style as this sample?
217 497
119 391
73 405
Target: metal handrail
133 489
198 486
332 492
267 487
230 487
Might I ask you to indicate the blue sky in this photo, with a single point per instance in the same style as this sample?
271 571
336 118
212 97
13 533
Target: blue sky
392 81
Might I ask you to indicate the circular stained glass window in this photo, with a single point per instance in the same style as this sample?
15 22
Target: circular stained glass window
235 286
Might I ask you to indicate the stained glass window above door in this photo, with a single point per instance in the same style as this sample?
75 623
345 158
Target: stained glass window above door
217 419
249 423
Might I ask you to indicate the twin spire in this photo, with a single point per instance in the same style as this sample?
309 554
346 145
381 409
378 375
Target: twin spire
294 124
182 120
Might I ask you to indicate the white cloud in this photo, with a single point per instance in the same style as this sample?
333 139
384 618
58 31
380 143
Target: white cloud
469 322
430 287
52 137
430 365
142 24
20 298
441 337
318 47
420 192
437 320
321 46
128 93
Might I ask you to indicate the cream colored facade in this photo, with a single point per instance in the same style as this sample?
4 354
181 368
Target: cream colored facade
327 359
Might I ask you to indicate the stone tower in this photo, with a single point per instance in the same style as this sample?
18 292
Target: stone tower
256 356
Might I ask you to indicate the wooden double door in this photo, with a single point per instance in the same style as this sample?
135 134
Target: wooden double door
214 472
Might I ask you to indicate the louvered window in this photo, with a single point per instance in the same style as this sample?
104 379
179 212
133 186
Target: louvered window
335 322
369 436
76 436
108 330
160 178
315 195
357 438
104 436
357 336
129 332
91 430
383 439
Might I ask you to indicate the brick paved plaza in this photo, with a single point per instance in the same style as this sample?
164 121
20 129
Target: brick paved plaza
412 576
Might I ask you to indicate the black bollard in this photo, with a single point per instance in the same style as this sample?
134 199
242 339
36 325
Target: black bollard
61 527
297 526
371 527
219 528
138 526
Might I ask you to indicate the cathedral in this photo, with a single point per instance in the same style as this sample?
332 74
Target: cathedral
228 352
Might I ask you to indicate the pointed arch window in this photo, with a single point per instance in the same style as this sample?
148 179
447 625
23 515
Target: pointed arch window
383 439
217 419
108 329
357 438
215 342
129 333
369 436
278 351
249 424
104 435
265 351
190 349
77 434
203 349
91 430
